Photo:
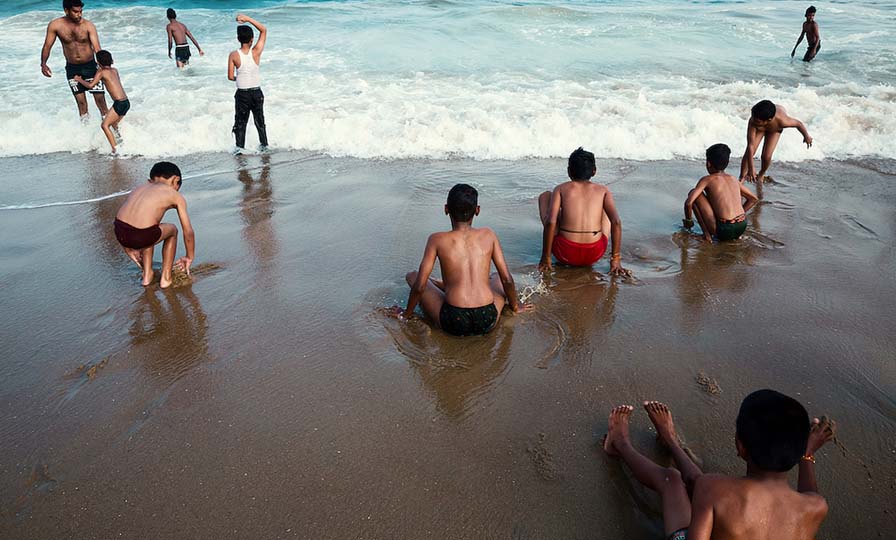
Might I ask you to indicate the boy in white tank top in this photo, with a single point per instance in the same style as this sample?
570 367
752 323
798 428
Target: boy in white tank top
243 67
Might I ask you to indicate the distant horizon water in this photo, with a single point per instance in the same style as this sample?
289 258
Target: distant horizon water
487 80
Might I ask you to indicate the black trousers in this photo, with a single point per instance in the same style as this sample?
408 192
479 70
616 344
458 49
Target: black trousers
246 101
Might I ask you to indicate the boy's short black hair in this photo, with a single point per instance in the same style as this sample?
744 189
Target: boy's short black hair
774 429
811 9
244 33
581 164
104 57
69 4
171 14
764 110
717 155
164 169
462 202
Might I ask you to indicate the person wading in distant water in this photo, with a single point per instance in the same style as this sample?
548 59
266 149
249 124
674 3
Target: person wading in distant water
243 67
177 35
79 43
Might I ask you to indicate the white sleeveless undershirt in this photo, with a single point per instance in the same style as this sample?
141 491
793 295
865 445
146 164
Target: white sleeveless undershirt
248 75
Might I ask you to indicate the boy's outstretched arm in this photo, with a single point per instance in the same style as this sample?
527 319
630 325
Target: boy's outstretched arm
96 79
507 279
550 231
262 32
423 272
750 198
616 268
801 127
189 235
798 41
190 35
820 433
692 196
747 169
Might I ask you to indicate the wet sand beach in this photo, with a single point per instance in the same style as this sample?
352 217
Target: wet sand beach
272 398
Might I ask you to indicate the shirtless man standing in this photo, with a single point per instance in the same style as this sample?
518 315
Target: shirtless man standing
178 34
467 301
79 43
767 121
813 38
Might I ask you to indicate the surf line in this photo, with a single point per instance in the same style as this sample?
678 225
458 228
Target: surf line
63 203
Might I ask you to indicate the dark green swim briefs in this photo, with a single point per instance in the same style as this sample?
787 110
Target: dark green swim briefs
730 229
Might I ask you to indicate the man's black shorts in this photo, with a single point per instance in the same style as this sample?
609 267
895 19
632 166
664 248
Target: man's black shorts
87 71
182 54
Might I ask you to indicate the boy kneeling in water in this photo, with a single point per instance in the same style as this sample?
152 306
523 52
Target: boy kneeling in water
108 75
773 435
467 301
585 213
138 225
717 199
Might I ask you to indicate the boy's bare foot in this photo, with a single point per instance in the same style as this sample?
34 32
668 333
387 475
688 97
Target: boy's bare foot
661 417
165 283
822 431
618 431
147 278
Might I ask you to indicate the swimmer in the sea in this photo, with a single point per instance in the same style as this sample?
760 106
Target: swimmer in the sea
718 199
108 76
767 120
773 435
177 35
577 218
139 227
813 37
467 301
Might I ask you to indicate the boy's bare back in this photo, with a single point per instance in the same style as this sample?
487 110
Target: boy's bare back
147 204
751 509
724 194
465 258
112 82
178 32
582 205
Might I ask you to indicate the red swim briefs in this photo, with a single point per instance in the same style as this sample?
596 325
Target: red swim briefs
576 254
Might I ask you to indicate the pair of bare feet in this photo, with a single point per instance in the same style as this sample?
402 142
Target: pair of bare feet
136 255
822 431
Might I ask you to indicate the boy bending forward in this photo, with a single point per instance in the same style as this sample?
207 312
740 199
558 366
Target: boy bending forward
138 225
467 301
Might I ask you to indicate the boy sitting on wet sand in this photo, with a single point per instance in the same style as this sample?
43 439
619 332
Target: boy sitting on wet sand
108 75
717 199
138 225
585 212
467 301
773 435
768 121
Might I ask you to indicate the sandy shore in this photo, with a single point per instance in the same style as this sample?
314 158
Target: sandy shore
272 399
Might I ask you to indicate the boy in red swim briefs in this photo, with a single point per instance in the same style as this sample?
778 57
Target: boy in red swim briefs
577 217
138 224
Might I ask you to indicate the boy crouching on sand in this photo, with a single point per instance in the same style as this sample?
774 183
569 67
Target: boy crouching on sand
717 199
773 435
108 75
584 213
467 301
138 224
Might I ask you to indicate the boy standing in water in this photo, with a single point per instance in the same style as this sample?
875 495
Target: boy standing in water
243 67
773 435
467 301
584 212
813 38
717 199
767 121
108 76
138 226
178 34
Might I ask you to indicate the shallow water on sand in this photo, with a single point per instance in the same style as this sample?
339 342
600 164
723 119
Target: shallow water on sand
273 397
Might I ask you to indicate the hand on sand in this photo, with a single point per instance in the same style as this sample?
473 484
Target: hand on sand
823 430
808 140
617 270
397 312
545 266
687 223
524 308
45 69
184 264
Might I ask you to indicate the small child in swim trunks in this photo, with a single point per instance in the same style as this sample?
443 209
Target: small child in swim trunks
467 301
584 212
108 75
773 435
718 199
138 226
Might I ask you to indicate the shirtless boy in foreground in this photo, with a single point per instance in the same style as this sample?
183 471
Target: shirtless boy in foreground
584 212
138 225
767 120
178 34
717 199
467 301
813 38
79 42
108 75
773 435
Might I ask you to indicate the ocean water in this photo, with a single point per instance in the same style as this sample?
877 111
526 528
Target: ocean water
487 80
